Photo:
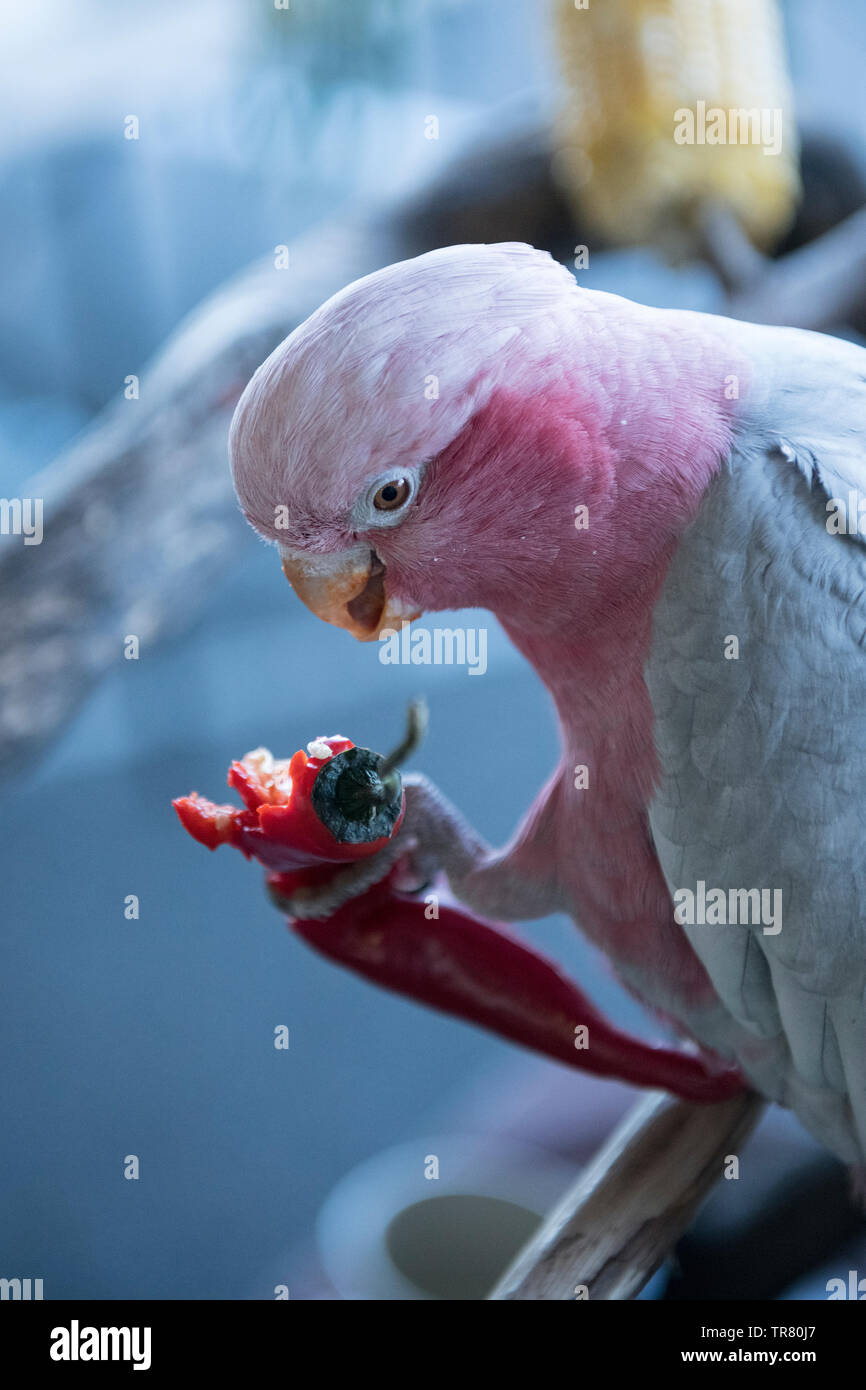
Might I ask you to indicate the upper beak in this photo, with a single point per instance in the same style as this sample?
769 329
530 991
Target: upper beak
347 589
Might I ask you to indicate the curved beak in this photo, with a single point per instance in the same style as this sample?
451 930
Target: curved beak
347 589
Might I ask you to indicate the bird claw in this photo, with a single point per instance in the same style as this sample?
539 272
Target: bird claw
322 900
430 839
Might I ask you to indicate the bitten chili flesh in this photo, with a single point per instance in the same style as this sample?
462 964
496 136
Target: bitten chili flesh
278 825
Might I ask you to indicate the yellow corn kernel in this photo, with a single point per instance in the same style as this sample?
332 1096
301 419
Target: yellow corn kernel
669 104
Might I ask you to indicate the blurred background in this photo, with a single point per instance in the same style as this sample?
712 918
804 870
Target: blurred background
258 127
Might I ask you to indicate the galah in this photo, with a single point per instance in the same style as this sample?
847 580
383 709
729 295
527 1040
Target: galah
662 509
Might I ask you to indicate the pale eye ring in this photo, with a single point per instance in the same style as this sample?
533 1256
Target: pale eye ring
392 495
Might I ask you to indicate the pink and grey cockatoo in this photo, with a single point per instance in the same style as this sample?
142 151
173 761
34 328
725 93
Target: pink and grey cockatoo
653 503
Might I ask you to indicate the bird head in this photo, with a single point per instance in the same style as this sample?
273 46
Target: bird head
401 448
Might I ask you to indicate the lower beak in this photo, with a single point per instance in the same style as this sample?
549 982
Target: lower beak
347 589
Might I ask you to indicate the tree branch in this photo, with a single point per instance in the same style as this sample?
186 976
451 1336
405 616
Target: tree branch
620 1220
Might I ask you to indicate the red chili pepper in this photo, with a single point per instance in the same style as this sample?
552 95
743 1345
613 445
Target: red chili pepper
480 972
306 818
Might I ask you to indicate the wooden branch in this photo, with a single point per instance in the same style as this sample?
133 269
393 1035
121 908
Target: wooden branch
738 264
141 520
821 285
613 1229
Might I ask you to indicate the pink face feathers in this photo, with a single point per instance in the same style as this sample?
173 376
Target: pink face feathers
510 399
386 374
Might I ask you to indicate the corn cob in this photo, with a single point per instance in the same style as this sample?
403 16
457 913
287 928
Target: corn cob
631 69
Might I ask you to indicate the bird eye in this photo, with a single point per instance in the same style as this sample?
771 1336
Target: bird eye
392 495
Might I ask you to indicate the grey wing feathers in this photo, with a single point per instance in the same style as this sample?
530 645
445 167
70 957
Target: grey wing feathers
757 675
